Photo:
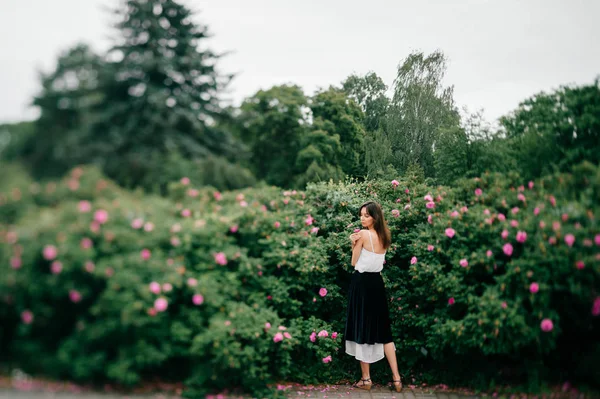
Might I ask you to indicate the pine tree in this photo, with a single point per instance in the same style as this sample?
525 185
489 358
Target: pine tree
162 96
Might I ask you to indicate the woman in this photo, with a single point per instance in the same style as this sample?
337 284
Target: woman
367 333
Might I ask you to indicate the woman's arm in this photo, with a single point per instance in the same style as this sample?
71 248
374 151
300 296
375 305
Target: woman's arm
356 249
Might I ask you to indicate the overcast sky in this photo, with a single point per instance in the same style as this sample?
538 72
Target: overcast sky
500 52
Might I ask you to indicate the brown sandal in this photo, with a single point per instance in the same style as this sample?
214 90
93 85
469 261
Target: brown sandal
366 387
398 387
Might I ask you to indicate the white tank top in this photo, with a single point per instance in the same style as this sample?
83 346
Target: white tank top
369 261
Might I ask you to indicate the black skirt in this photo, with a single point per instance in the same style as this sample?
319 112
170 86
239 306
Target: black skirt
368 318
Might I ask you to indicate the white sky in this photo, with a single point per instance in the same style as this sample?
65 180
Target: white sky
500 52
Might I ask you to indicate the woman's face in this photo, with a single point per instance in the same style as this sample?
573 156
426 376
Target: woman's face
365 218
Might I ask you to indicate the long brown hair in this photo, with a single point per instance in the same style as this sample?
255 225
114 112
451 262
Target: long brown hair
379 224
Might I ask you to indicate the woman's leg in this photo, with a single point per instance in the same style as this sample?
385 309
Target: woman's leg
365 379
364 367
390 352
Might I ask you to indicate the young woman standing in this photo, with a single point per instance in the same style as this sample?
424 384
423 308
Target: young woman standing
367 332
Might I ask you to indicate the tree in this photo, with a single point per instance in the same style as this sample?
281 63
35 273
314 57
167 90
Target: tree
162 96
66 100
561 128
421 106
369 93
335 114
272 125
451 160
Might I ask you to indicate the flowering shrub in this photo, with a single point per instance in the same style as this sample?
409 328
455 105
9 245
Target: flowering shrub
249 287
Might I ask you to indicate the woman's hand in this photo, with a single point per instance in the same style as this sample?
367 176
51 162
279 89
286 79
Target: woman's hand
354 237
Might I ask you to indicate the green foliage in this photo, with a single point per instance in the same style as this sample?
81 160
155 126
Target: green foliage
419 109
226 264
561 127
451 161
369 92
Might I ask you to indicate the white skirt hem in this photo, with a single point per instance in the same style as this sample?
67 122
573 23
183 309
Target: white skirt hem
366 353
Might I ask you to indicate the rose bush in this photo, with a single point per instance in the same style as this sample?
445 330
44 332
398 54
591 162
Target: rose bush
491 281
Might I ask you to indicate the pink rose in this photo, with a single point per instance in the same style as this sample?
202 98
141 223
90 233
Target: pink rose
161 304
570 239
501 217
167 287
536 211
413 260
287 335
85 206
451 301
74 296
514 223
309 220
86 243
50 252
137 223
552 200
186 213
478 192
395 213
192 282
430 247
27 316
596 307
327 359
154 287
278 337
197 299
508 249
218 196
534 288
464 263
450 232
546 325
185 181
504 234
521 236
580 265
455 214
313 337
334 335
489 253
277 225
234 228
597 239
323 334
15 263
101 216
430 219
395 183
220 258
428 198
89 266
145 254
267 325
430 205
530 185
56 267
314 230
323 292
